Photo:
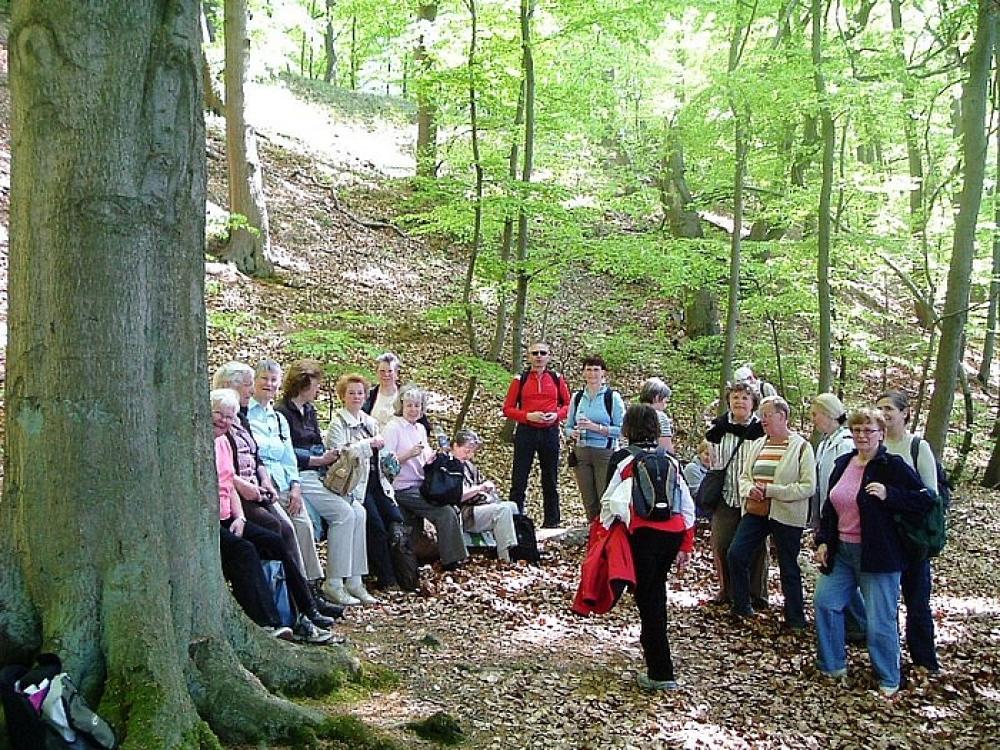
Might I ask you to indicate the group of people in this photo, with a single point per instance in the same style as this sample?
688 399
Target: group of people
271 458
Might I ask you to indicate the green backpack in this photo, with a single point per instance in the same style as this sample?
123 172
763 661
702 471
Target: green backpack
924 534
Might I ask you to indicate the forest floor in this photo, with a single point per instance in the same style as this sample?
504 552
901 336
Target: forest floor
496 647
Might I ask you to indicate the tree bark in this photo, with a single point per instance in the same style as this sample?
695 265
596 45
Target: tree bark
950 348
992 317
521 257
330 44
426 113
213 96
825 194
110 551
249 244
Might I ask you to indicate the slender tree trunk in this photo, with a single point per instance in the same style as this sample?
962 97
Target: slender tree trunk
426 111
330 44
354 54
970 425
913 157
989 341
950 349
991 477
249 244
825 193
213 96
110 551
521 293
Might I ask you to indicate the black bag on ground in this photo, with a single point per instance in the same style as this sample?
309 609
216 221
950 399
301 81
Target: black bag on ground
404 560
61 720
443 479
710 491
527 543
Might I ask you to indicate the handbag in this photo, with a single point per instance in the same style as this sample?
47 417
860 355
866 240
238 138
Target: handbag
763 507
710 491
348 471
390 466
443 481
571 458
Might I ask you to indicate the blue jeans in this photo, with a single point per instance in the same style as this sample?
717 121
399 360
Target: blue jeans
916 585
788 539
881 594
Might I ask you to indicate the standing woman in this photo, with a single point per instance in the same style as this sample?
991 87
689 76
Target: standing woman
655 547
778 478
595 428
916 579
353 430
381 400
346 554
656 393
858 546
732 432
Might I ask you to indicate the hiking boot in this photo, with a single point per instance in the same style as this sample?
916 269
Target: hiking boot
646 683
759 603
306 632
328 608
279 631
320 621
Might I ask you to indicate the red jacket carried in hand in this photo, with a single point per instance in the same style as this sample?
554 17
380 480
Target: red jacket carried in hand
607 570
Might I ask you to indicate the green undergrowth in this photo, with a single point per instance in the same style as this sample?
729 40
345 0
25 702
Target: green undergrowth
369 679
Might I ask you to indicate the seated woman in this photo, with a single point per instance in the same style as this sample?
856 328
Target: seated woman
353 430
858 545
778 479
406 439
242 543
346 552
482 509
696 470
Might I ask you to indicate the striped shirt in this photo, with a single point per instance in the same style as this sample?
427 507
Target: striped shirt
767 461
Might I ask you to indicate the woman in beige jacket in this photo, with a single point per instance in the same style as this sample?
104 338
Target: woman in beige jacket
778 478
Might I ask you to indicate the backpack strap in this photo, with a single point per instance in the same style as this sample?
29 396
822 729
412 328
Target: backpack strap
915 451
520 386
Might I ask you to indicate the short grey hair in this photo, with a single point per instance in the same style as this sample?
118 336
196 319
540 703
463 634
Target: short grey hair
232 373
267 365
225 397
390 359
467 437
410 393
779 404
654 389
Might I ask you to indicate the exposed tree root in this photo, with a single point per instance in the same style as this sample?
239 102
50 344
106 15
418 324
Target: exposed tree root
20 630
235 703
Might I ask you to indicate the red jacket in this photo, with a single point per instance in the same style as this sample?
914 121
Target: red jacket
606 571
540 393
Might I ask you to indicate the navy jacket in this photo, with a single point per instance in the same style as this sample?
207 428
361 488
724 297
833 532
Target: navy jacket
881 549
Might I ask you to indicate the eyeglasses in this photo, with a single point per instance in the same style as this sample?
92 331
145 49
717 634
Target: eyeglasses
539 353
223 415
865 431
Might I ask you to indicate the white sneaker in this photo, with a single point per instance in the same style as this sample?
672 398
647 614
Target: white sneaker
359 592
334 591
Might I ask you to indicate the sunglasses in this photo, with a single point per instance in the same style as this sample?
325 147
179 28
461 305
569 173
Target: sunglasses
539 353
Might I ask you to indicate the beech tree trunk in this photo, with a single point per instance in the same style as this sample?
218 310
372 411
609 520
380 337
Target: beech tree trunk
109 555
426 114
951 347
826 191
249 244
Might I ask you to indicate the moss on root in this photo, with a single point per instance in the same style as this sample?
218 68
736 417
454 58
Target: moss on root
441 728
341 733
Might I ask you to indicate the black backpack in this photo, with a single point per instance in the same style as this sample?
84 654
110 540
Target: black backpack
527 542
656 492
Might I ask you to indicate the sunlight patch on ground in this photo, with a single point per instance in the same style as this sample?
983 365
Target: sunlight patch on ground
967 605
273 109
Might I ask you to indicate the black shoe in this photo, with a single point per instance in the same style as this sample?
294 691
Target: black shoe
320 621
759 603
328 608
305 631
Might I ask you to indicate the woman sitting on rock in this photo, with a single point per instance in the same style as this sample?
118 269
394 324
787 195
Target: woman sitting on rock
482 509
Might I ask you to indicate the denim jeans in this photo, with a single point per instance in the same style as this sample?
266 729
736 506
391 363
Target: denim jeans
881 595
916 585
751 532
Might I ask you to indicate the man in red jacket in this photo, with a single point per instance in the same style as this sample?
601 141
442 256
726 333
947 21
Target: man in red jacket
538 400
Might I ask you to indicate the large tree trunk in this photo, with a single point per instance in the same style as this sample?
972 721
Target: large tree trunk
249 244
825 194
521 293
426 114
109 555
951 349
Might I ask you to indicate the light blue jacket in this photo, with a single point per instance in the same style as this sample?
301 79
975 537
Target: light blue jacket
274 444
593 409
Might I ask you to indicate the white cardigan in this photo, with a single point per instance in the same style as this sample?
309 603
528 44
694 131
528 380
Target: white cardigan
345 433
794 480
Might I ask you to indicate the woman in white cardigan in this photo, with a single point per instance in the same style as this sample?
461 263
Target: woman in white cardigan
778 479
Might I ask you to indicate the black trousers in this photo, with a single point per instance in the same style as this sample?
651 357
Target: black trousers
653 553
543 441
241 558
380 514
